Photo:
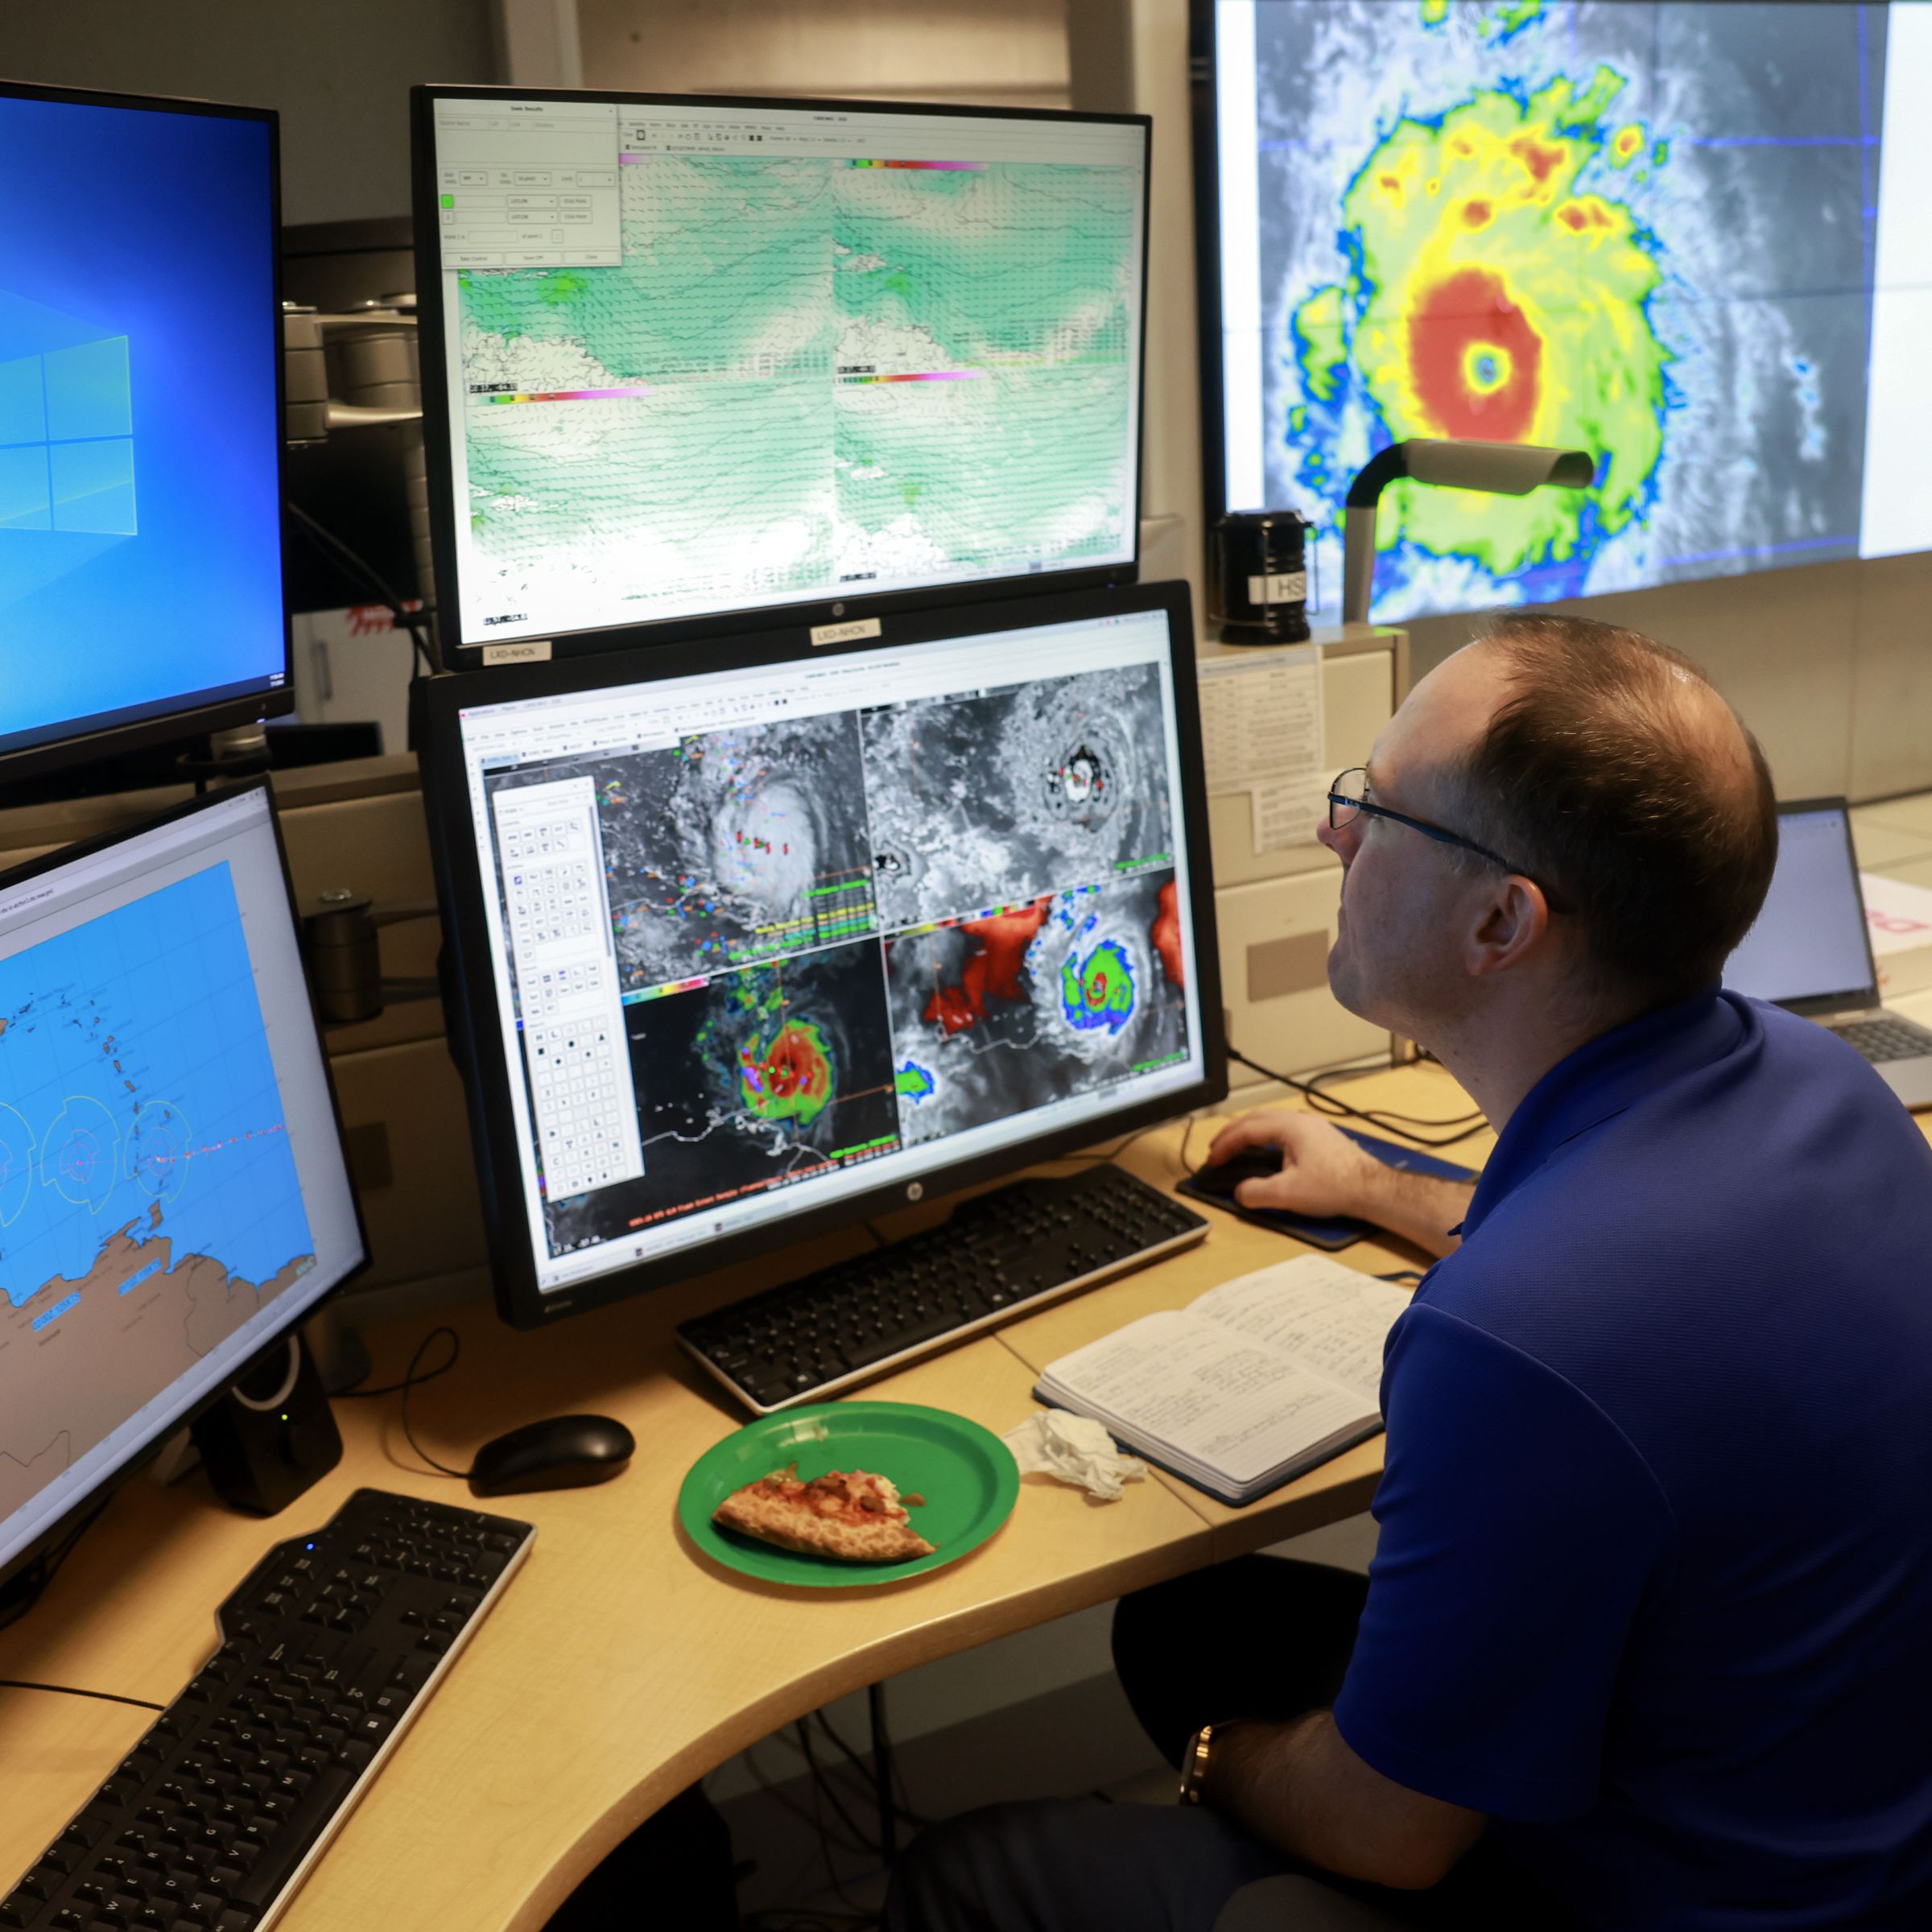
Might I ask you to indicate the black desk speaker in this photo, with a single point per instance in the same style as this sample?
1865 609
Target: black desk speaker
272 1435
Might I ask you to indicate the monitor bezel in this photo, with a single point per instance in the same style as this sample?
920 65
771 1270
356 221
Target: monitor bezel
1204 127
472 1013
168 721
101 1493
463 653
1854 998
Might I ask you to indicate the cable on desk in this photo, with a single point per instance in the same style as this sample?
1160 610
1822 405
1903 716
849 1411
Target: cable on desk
1379 1117
411 1381
1386 1113
406 1384
106 1697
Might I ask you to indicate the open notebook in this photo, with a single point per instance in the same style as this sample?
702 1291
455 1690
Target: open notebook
1249 1386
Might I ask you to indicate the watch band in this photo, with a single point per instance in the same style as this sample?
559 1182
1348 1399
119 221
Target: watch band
1194 1765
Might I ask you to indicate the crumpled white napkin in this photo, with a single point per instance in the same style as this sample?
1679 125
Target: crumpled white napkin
1077 1450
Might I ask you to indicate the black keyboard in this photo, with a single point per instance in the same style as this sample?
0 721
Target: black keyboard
1885 1038
997 1256
329 1648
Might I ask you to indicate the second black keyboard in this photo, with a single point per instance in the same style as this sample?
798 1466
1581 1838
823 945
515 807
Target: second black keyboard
329 1647
997 1256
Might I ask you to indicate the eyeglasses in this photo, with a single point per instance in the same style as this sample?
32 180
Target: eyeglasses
1348 799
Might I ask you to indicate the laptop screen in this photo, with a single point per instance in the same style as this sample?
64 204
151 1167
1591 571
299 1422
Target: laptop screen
1809 942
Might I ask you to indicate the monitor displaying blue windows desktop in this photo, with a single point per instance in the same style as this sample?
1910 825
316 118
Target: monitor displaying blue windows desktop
1692 239
140 423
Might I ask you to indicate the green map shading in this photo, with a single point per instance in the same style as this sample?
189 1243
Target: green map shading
1497 300
1098 991
806 375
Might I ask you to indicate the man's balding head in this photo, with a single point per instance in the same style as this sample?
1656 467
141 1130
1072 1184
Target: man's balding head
1611 769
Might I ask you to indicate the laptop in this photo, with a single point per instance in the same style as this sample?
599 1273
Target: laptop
1810 950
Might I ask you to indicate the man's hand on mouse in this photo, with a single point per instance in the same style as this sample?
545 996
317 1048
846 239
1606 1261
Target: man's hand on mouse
1323 1172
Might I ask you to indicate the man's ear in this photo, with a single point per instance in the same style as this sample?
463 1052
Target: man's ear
1512 920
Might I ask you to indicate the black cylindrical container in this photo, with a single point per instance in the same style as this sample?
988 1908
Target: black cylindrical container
1257 590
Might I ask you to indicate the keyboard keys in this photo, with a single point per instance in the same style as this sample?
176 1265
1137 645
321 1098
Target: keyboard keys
804 1340
201 1825
1886 1038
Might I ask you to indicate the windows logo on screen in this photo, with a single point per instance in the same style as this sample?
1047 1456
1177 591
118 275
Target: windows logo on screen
66 444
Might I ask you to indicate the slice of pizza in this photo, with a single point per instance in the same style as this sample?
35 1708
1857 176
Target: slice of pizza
847 1514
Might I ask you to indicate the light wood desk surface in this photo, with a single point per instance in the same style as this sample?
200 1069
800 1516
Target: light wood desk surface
620 1666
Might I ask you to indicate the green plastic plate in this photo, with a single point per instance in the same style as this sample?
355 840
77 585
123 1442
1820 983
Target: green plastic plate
966 1473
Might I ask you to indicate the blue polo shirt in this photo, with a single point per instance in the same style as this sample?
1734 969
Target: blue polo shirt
1654 1585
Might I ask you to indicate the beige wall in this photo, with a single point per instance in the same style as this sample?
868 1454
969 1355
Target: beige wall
999 52
339 71
1830 666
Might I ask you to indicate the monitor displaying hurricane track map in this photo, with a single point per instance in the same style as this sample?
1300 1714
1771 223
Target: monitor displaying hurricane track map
763 938
1692 239
706 359
172 1188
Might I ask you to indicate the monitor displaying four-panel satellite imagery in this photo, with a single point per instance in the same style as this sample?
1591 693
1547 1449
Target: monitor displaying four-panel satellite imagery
764 938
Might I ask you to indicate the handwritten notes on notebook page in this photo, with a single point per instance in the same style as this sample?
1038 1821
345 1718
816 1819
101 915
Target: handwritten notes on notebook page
1254 1383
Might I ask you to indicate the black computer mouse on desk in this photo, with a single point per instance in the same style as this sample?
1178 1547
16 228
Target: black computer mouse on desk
563 1452
1251 1164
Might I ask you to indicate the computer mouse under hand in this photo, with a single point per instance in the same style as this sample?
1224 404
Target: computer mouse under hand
563 1452
1219 1181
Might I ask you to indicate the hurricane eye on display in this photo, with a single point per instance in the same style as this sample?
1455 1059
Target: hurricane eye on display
1610 229
1490 303
789 1077
1099 990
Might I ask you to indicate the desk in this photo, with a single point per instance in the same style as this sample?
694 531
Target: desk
619 1668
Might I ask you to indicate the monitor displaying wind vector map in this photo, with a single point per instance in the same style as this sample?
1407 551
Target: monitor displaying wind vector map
1693 239
173 1191
686 358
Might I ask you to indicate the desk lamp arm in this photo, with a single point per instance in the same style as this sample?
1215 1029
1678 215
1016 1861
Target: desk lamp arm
1502 469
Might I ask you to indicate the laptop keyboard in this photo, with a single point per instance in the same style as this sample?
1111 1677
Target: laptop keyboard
1886 1039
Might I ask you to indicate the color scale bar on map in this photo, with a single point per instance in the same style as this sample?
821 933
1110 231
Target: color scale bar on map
924 375
566 395
665 991
985 912
951 168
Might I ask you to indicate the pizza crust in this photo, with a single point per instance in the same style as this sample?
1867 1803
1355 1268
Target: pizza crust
848 1515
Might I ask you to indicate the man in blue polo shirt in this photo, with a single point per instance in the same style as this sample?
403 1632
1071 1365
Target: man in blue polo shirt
1647 1640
